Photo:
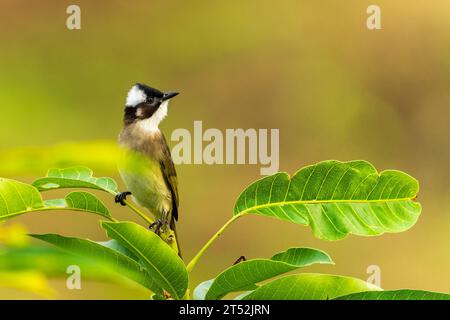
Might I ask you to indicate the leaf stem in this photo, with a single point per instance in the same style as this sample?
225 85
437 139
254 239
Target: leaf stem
139 212
197 257
187 295
54 208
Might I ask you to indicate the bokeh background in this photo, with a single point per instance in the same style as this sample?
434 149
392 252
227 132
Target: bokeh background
310 68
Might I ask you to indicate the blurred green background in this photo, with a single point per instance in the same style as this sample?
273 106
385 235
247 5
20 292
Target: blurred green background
310 68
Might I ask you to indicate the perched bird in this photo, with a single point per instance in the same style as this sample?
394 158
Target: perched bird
146 167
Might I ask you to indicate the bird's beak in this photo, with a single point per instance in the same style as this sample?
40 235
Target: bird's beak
169 95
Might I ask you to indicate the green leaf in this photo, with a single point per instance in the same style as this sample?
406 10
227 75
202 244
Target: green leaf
201 290
74 177
244 275
159 259
336 198
309 286
242 295
80 201
52 262
18 198
113 244
396 295
102 255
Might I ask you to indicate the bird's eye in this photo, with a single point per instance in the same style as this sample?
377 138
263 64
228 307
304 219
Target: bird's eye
150 100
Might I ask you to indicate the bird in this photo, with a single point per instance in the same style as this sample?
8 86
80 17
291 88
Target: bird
146 166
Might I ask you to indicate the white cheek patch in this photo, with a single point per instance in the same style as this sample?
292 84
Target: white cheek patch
151 124
135 96
161 113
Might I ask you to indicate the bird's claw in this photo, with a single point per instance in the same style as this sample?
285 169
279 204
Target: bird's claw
161 224
121 197
156 226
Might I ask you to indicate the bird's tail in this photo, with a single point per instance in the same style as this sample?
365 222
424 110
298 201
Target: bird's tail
174 229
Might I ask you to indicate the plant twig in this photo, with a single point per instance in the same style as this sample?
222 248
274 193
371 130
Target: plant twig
139 212
194 260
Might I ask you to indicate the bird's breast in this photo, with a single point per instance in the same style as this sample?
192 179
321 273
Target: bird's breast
139 167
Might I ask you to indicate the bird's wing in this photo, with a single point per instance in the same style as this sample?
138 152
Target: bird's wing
170 177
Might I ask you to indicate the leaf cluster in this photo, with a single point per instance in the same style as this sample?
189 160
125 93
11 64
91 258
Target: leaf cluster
333 198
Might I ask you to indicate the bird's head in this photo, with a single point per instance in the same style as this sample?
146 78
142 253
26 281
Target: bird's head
146 105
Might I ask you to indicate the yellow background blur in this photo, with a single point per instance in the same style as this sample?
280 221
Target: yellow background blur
311 68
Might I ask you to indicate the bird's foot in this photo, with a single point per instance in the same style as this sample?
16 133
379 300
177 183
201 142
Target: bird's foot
121 197
156 226
161 227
